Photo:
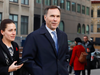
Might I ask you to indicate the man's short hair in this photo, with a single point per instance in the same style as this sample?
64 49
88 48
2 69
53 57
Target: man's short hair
85 36
51 7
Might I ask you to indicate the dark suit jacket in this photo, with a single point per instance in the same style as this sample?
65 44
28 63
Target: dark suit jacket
91 47
3 66
40 49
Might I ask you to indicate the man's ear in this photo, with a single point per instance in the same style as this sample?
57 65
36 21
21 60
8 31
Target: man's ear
45 17
2 32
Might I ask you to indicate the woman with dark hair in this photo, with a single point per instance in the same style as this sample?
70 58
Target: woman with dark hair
78 66
9 50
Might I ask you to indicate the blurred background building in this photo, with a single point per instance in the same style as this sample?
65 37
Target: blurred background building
22 13
75 16
28 16
95 21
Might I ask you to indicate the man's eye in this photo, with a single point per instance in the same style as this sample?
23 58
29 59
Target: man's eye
10 30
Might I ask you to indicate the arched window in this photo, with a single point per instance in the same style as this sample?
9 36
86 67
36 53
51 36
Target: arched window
83 29
61 26
87 29
79 29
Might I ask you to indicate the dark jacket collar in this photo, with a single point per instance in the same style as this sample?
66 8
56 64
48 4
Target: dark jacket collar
5 49
44 31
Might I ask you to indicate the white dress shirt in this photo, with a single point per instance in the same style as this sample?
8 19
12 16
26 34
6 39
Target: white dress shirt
50 31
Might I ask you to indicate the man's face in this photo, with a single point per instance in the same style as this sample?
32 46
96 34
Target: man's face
85 39
52 18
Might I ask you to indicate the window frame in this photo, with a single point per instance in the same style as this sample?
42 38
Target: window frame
1 17
87 11
68 8
84 29
62 5
79 26
83 11
98 31
79 8
14 1
38 1
53 2
91 12
74 10
24 2
47 2
91 27
62 24
24 23
97 13
87 31
14 21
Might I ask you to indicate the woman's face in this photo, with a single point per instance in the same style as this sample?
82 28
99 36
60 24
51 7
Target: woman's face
75 42
10 32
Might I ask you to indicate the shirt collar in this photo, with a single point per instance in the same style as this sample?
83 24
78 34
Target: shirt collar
50 29
9 47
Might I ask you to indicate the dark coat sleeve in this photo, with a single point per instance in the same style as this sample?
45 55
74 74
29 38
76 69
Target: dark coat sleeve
4 70
29 52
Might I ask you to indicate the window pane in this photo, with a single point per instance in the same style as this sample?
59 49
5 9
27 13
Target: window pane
11 0
22 1
22 19
47 2
10 17
73 6
26 2
62 4
79 28
87 29
98 27
0 17
15 18
38 1
55 2
91 13
68 5
92 28
98 13
87 11
15 0
83 9
78 8
61 26
83 29
24 25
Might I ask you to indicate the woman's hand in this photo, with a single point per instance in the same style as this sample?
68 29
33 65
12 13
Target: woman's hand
14 67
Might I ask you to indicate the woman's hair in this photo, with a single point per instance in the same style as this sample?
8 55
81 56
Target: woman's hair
3 25
77 39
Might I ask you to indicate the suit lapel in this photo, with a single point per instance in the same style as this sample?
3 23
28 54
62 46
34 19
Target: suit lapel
59 35
14 48
48 36
5 49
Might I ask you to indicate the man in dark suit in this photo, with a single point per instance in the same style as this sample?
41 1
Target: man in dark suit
47 56
89 49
